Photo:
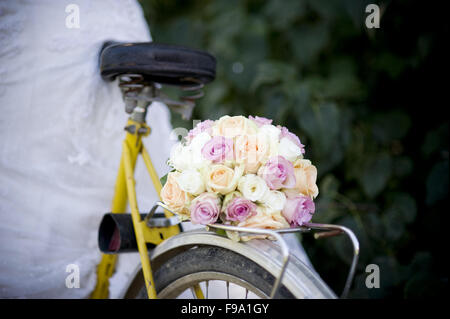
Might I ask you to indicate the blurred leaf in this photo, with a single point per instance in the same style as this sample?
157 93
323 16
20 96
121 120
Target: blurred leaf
307 41
182 32
348 93
400 212
423 285
281 14
321 123
437 138
390 126
327 210
226 32
374 226
272 72
343 245
300 95
327 9
391 64
437 182
390 274
405 205
342 82
356 10
402 166
376 173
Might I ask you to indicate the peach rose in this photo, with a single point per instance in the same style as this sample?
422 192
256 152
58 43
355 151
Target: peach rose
264 218
222 179
232 126
250 150
306 176
173 196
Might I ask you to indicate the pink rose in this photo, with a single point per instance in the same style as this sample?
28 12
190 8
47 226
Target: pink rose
298 210
199 128
218 149
240 209
278 173
205 209
260 121
294 138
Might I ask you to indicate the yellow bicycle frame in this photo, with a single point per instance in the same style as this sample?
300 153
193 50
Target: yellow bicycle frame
125 193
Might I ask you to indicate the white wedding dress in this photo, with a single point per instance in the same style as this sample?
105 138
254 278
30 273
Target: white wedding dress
61 129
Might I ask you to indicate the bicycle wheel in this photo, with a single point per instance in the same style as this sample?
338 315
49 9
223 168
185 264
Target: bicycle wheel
201 257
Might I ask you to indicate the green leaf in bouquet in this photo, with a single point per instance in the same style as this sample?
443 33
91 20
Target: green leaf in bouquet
221 232
163 179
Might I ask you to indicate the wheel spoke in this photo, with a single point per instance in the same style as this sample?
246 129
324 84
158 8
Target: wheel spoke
193 293
246 293
228 290
207 289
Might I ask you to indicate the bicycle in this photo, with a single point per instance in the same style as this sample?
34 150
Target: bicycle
181 261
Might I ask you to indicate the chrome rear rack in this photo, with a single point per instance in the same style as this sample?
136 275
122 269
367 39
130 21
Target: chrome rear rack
325 230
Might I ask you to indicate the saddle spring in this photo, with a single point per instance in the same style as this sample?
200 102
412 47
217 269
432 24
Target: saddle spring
136 91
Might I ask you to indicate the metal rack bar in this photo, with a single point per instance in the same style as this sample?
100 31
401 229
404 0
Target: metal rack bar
284 247
327 230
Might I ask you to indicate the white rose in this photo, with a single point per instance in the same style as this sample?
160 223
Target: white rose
271 131
195 148
274 200
180 157
270 135
252 187
288 149
191 182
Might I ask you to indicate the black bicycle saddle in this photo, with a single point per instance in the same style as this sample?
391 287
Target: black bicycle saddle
156 62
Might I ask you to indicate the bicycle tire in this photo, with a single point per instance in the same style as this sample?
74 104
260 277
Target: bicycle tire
213 260
203 253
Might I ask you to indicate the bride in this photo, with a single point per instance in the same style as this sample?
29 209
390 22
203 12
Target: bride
61 130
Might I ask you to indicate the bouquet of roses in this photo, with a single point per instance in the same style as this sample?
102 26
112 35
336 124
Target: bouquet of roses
243 172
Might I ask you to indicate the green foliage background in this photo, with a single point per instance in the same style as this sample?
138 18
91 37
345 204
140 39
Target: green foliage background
365 102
